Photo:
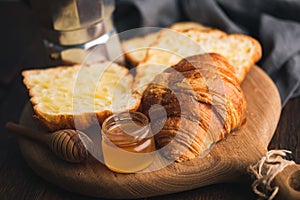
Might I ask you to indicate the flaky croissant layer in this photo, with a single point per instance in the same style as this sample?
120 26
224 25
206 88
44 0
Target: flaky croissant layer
194 104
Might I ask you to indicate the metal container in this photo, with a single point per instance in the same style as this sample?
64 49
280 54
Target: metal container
73 28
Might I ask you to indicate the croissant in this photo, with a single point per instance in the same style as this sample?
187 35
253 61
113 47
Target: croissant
193 104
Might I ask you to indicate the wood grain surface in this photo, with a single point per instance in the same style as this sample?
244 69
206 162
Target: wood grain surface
227 162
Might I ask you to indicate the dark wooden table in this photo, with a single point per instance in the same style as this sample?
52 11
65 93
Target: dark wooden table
21 48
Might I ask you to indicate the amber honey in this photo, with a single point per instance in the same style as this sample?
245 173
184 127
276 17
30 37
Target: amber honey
127 142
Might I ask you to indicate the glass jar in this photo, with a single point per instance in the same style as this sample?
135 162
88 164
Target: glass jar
127 142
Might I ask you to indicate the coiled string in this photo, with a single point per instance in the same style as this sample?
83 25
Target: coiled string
266 170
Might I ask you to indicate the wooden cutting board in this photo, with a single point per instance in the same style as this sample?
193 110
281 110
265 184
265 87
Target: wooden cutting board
227 161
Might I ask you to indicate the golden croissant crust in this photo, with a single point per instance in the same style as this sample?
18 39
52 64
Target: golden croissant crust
194 104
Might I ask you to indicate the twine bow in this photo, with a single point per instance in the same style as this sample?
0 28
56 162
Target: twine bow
266 169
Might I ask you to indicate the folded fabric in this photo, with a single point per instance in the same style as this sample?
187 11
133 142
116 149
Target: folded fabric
282 39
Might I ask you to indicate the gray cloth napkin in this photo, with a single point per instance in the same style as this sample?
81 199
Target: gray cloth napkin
275 23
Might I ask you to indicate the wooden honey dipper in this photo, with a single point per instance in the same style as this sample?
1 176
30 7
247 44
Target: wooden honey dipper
68 144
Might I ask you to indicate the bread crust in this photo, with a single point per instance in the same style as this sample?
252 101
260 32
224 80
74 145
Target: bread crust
256 56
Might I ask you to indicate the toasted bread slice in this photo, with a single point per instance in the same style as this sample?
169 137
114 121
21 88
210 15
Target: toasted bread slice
79 96
241 51
136 48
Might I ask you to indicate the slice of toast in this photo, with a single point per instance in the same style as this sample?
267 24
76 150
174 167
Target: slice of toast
135 49
241 51
79 96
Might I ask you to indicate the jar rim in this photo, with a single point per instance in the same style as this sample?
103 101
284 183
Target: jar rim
126 116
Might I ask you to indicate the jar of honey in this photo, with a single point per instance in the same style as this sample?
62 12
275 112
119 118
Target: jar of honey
127 142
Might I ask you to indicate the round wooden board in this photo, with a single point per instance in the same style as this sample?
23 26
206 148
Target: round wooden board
227 161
